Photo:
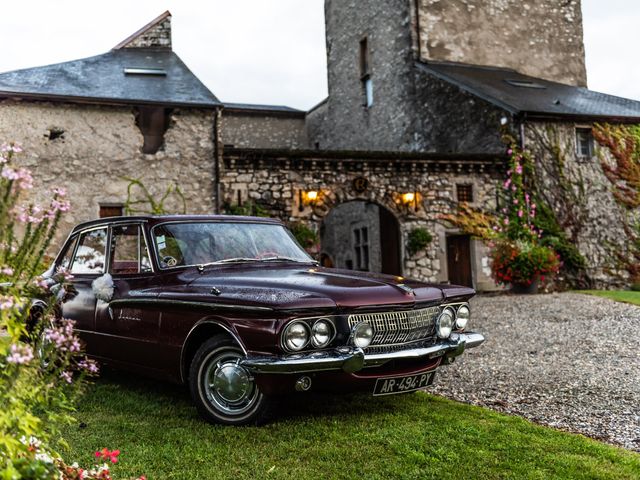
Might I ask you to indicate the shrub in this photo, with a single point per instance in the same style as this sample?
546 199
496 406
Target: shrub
305 236
246 209
419 238
42 367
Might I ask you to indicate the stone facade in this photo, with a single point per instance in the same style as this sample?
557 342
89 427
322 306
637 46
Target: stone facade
580 195
338 236
541 38
246 129
157 34
274 180
95 147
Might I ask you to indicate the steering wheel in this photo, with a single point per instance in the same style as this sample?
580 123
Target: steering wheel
169 261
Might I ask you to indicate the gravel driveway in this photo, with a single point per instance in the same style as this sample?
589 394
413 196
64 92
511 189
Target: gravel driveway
565 360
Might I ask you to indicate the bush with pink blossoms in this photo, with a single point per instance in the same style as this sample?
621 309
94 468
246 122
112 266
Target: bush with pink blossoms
42 366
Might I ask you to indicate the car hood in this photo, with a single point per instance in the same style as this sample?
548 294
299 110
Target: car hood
286 287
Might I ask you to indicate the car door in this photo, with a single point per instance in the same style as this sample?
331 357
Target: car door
88 262
128 327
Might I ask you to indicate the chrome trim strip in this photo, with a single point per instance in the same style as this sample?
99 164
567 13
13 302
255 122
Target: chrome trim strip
351 359
235 337
186 303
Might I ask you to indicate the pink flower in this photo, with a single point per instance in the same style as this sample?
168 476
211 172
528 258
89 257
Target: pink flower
89 366
515 201
7 271
506 221
507 184
20 354
6 303
509 152
519 169
520 213
60 192
67 376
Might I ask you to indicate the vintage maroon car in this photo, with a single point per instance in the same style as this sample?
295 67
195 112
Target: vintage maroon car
234 307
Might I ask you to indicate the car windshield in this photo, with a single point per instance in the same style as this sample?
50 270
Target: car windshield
202 243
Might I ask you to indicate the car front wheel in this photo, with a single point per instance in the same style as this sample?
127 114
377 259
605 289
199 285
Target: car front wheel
224 391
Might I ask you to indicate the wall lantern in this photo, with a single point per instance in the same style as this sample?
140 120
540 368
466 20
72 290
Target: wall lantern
308 198
409 199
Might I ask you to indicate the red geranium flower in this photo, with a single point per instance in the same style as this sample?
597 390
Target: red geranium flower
105 454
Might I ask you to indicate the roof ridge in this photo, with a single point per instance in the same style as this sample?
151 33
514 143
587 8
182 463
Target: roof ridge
156 21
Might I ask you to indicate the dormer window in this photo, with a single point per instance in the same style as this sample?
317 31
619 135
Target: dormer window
157 72
365 73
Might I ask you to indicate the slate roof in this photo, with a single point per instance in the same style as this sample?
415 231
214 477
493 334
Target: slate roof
102 79
254 106
535 97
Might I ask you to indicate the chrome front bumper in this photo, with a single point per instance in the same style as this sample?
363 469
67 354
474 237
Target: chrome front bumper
353 359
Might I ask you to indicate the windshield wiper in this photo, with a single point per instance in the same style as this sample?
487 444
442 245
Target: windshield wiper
233 260
283 258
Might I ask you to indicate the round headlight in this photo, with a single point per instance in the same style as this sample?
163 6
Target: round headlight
445 323
462 318
362 335
321 333
296 336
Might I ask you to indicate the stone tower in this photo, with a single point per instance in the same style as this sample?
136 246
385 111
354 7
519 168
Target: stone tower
541 38
380 100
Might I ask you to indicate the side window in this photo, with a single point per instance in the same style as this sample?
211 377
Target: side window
90 254
129 251
65 260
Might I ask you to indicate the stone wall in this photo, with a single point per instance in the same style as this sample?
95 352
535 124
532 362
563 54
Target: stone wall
581 197
263 130
156 36
97 146
274 181
541 38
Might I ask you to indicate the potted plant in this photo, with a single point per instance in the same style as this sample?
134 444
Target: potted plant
522 264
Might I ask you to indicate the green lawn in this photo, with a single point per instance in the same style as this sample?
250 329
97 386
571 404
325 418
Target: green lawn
410 436
618 295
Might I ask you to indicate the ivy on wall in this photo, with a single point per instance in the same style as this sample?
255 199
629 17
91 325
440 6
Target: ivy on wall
622 169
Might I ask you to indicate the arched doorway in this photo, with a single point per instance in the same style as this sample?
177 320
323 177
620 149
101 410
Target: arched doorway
361 235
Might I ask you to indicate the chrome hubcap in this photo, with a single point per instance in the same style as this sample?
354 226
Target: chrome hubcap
229 387
231 382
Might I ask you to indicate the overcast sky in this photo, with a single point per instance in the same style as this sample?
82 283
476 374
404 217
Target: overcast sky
263 51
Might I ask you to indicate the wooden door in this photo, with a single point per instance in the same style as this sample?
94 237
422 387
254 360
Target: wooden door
459 260
390 243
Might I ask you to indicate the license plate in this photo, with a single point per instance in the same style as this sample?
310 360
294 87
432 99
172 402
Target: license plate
390 386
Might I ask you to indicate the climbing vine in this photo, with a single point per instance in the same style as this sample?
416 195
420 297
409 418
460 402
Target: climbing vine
622 169
140 199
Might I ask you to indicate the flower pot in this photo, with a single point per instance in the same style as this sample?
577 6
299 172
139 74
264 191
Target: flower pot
523 288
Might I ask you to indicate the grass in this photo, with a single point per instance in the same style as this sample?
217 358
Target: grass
626 296
408 436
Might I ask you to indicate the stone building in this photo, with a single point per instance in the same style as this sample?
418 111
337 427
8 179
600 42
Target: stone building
420 92
134 112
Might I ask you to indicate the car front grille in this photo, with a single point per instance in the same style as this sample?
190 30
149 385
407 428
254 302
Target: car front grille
398 328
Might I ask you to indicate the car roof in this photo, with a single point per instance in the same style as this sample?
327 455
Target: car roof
158 219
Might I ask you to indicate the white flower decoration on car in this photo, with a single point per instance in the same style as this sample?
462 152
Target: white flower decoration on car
103 287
